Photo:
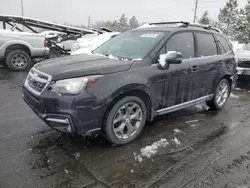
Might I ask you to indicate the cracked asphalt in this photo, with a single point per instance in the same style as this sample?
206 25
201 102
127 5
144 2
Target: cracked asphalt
214 150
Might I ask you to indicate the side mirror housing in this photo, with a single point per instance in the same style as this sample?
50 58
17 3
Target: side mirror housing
171 57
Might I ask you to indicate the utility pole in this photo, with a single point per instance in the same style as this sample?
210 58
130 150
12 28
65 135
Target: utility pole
195 10
22 8
89 21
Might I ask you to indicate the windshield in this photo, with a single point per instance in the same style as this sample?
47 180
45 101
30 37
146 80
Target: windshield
130 45
247 47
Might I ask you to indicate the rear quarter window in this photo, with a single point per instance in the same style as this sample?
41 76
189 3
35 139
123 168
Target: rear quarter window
206 45
223 44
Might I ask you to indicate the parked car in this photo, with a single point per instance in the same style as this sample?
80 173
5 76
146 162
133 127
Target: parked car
17 49
132 78
244 61
92 43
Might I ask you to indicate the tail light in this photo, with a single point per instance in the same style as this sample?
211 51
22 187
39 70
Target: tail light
236 60
45 43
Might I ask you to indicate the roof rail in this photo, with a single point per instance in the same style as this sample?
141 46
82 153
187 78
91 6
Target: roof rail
204 27
187 24
164 23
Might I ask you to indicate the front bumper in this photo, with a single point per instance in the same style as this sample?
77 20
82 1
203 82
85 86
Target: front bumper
243 71
81 115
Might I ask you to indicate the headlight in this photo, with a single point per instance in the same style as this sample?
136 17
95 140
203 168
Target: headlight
73 85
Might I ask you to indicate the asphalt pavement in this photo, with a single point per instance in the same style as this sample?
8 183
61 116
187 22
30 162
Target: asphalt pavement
195 148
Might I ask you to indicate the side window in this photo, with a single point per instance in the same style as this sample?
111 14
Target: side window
223 44
182 42
206 45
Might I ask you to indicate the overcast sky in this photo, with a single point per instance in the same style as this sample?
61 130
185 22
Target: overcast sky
77 11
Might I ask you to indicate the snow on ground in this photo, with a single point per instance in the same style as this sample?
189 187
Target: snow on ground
193 123
177 131
238 89
234 96
151 150
176 141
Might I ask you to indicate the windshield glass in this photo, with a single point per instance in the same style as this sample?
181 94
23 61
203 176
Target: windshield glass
247 47
130 45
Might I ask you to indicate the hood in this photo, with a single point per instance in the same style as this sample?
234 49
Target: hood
81 65
243 54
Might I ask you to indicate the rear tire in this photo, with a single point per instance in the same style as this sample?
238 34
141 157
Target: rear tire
18 60
125 120
221 95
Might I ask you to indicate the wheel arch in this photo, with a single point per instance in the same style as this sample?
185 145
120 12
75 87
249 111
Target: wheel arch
17 47
137 90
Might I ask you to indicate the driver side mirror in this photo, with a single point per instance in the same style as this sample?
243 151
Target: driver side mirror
171 57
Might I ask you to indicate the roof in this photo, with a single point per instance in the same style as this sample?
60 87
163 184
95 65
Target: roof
174 28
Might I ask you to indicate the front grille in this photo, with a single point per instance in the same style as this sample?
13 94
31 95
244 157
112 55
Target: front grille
244 64
37 81
38 86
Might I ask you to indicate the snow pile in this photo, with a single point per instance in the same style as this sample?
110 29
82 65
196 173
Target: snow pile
200 107
162 59
146 25
176 141
150 150
234 96
138 59
238 89
177 130
138 158
112 57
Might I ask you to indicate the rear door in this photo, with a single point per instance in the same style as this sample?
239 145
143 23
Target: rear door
226 63
206 70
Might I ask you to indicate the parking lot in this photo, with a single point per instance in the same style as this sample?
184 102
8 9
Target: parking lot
202 148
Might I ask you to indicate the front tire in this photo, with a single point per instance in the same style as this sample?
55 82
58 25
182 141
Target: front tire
125 120
18 60
221 95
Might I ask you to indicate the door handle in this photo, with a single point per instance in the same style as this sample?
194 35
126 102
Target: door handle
194 68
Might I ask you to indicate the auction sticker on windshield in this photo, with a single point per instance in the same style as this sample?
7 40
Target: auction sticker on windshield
148 35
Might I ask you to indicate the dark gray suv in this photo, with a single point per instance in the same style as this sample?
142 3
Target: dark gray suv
132 78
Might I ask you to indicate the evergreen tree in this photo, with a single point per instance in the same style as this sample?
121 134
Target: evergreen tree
228 18
123 23
116 26
205 20
133 23
242 29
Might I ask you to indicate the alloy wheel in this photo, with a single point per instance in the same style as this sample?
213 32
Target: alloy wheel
127 120
222 94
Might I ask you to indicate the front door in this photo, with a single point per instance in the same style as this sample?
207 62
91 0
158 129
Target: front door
175 85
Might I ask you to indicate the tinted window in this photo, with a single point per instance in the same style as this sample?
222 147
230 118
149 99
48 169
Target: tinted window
182 42
206 45
223 45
